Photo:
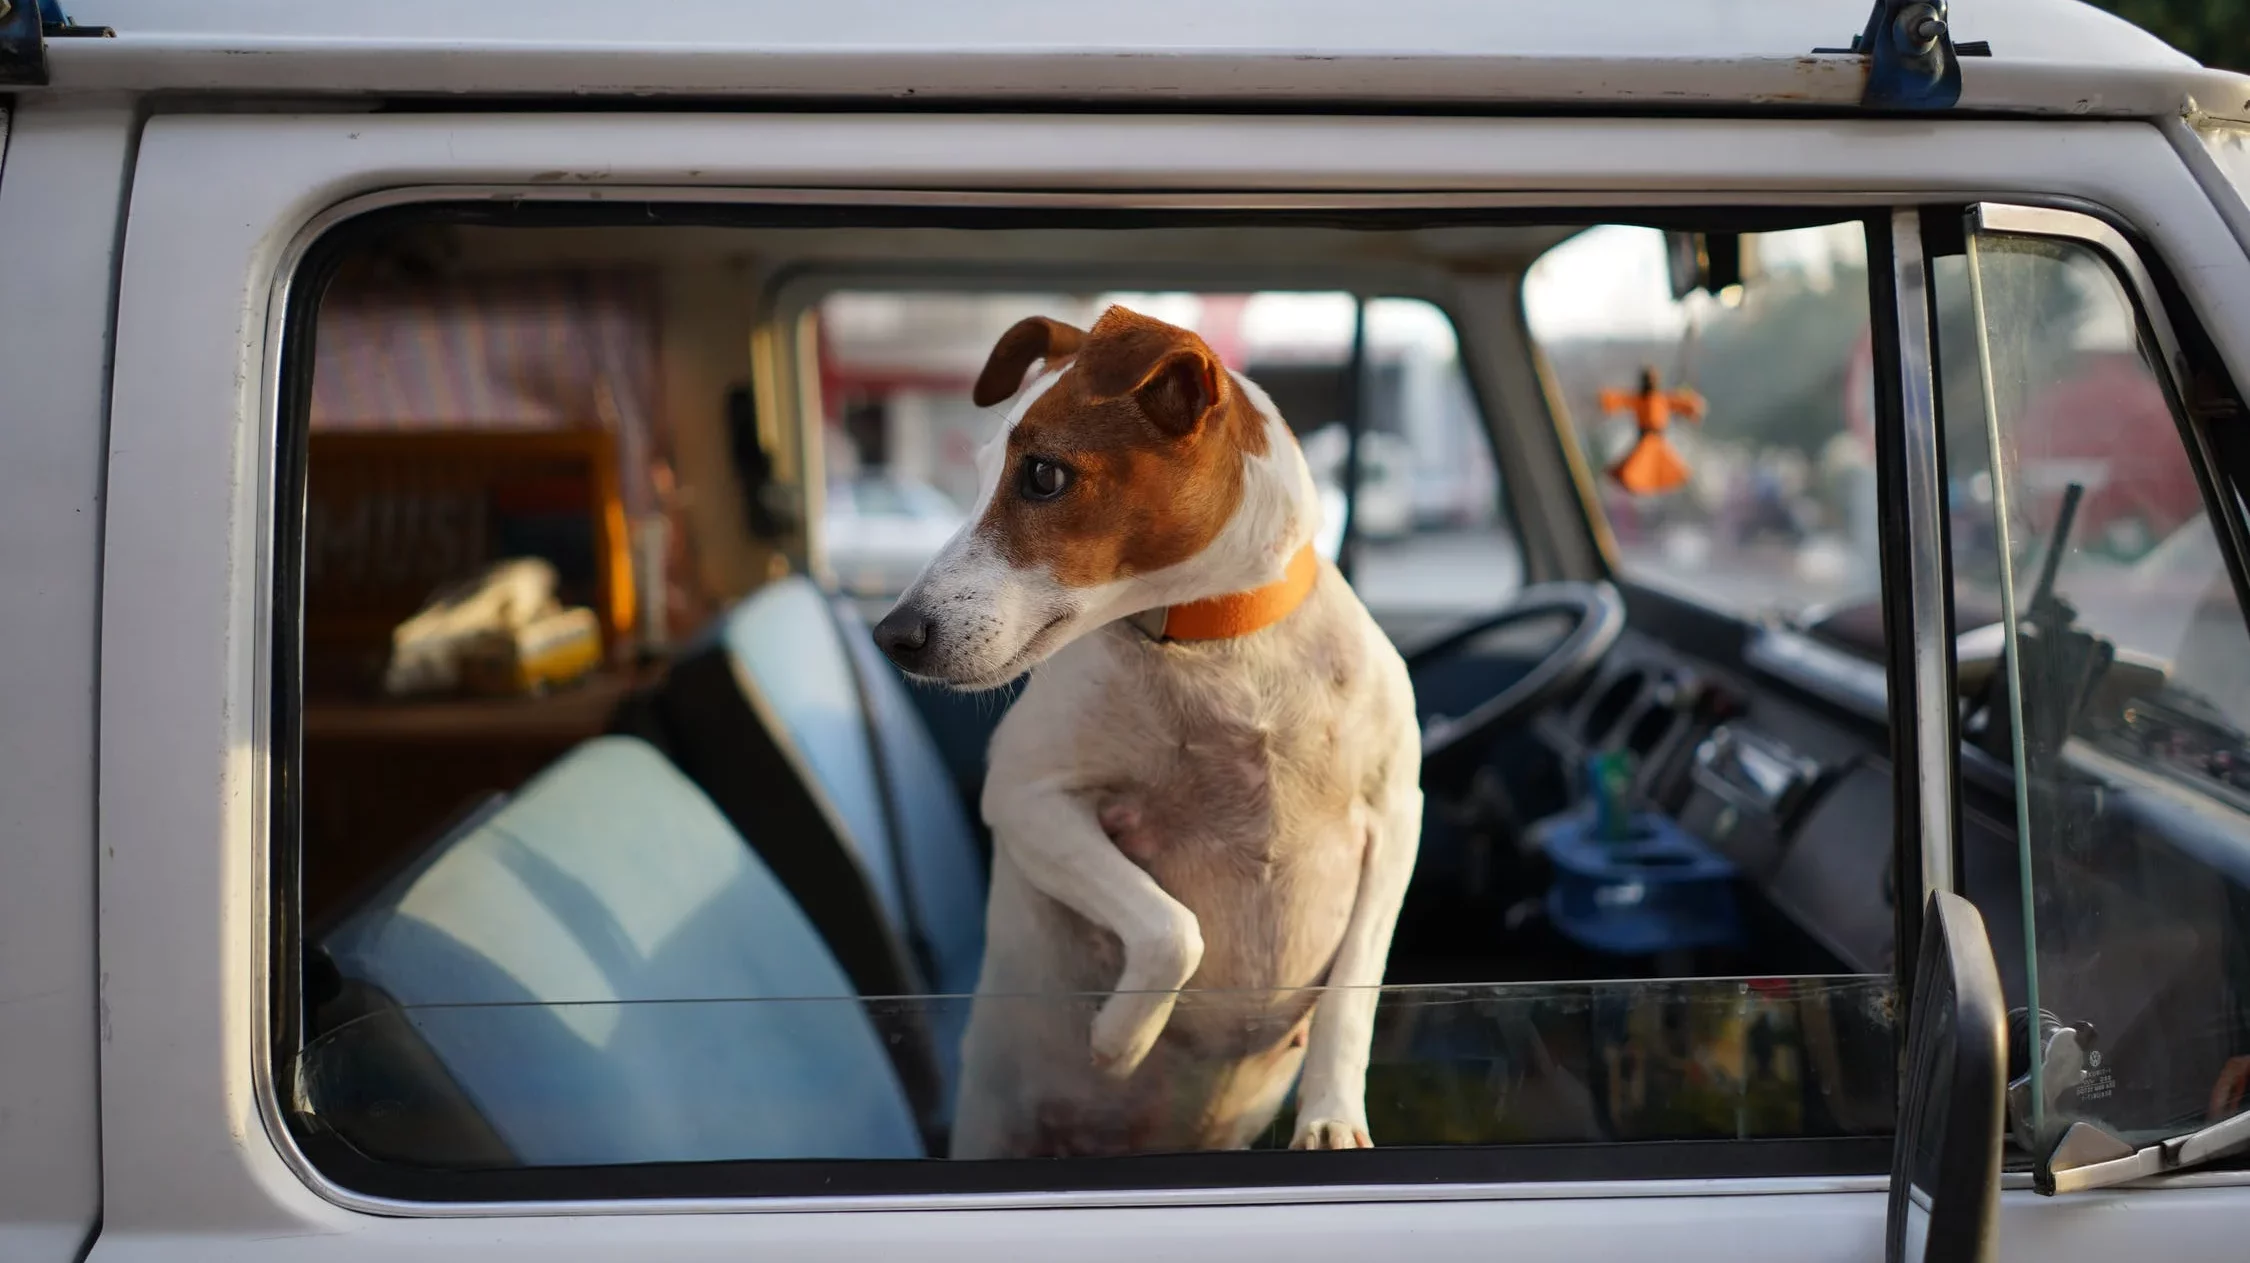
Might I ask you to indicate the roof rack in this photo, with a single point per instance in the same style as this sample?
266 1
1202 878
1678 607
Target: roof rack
25 28
1913 62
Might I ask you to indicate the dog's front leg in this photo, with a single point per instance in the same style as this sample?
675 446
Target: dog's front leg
1054 839
1332 1095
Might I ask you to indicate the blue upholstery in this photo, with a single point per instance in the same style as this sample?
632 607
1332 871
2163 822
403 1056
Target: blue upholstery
783 642
634 985
808 662
938 850
805 662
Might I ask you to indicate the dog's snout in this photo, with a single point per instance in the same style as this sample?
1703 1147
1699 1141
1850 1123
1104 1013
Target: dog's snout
904 636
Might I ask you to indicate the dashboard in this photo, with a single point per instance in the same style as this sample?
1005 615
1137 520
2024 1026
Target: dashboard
1795 791
1771 746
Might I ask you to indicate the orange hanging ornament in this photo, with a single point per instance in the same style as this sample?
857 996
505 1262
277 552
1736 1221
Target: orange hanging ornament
1652 465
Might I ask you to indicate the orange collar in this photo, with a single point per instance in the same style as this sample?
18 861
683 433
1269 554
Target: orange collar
1238 613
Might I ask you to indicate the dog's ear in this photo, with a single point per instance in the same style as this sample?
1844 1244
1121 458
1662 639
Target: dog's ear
1169 371
1029 339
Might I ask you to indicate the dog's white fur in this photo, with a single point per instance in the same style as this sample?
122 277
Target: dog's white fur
1238 818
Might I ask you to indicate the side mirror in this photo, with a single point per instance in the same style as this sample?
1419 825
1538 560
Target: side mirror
1945 1171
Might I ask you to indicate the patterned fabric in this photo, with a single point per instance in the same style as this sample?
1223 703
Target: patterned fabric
546 350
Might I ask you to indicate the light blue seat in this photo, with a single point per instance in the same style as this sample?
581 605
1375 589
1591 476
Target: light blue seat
937 851
783 640
611 976
813 666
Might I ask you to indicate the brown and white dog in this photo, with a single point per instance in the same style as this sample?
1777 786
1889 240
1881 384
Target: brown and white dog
1210 783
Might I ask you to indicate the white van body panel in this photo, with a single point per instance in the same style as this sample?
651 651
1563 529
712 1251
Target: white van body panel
61 189
2053 57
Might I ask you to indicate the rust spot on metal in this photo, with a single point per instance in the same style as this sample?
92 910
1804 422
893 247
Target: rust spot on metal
1827 79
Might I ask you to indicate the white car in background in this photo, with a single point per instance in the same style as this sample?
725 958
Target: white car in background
1384 505
881 530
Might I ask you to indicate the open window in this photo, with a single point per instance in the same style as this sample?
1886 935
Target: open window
651 878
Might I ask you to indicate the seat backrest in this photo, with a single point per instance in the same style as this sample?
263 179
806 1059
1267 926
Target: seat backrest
940 863
611 976
782 642
810 661
714 722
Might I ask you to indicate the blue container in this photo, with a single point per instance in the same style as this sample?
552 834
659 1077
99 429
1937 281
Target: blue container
1658 890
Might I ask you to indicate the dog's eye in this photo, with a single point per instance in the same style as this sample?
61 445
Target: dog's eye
1044 479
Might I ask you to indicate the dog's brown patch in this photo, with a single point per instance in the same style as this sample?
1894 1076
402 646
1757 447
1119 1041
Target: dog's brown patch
1153 431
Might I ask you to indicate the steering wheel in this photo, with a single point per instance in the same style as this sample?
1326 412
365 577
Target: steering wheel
1597 615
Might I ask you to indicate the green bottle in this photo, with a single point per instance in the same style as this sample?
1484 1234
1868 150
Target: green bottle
1609 778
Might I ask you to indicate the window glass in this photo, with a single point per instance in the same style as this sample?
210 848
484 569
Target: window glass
1700 1059
1431 539
1776 512
2123 697
623 858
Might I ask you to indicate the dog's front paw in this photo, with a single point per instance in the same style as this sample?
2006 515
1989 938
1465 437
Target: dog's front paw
1158 962
1127 1027
1328 1129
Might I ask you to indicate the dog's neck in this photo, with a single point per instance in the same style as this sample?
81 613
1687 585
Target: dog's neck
1261 566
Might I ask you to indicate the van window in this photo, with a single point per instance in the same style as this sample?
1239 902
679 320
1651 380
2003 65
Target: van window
622 864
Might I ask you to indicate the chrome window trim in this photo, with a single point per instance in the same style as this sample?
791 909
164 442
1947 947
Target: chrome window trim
1926 566
263 1081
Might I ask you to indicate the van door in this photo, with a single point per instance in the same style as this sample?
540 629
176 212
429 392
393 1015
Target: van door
59 195
202 1153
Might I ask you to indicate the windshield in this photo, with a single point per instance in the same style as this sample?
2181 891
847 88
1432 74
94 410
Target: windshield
1775 511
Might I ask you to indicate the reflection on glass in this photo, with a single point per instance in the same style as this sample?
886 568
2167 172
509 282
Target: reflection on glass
2123 702
710 1080
1927 1127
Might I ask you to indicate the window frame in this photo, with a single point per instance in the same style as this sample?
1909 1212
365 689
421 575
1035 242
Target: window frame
1638 1168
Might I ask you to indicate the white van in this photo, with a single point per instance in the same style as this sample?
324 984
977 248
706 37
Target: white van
309 310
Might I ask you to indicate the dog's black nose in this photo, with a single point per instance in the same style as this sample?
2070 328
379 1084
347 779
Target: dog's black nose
904 636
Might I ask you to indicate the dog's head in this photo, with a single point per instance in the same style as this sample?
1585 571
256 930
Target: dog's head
1135 471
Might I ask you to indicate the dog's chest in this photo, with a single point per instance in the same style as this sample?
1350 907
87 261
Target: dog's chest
1234 761
1237 780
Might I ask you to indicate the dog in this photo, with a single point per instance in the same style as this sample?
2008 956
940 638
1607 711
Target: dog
1206 802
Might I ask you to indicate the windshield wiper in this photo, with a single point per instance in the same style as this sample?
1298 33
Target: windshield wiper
2088 1155
2091 1156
